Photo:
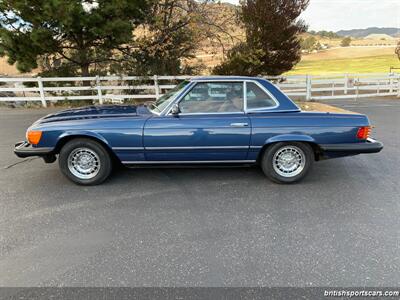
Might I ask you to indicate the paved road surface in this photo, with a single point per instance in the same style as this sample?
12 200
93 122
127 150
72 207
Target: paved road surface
203 227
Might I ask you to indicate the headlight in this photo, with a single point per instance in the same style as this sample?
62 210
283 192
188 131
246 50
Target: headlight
33 136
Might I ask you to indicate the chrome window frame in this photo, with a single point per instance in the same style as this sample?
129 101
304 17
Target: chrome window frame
192 84
265 90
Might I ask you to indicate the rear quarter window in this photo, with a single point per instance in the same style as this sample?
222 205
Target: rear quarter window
257 98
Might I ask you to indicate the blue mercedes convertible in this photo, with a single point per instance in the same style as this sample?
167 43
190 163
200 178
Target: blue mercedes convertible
207 120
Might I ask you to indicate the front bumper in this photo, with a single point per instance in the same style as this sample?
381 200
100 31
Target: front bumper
369 146
24 149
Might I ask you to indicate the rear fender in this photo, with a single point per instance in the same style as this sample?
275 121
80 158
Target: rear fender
290 138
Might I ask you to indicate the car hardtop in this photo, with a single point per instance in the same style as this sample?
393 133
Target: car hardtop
285 104
223 78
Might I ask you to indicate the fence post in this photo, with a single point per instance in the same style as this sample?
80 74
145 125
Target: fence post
346 83
378 89
41 91
308 87
156 87
98 86
398 86
391 83
358 86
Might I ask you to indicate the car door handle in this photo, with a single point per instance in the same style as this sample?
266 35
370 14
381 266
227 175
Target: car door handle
239 124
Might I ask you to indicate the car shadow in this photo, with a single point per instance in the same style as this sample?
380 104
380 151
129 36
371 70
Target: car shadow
197 175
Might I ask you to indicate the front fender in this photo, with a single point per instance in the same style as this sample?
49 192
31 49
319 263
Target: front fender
82 133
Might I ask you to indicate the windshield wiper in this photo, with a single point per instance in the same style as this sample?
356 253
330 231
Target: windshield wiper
149 103
152 106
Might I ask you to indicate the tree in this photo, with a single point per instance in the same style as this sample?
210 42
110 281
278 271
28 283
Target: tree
346 42
327 34
66 36
397 51
170 35
318 46
166 38
308 44
272 45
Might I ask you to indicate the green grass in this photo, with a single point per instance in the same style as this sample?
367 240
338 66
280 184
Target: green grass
371 64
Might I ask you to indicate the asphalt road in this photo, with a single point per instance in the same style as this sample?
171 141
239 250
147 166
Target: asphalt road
203 227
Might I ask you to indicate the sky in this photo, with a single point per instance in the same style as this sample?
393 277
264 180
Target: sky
334 15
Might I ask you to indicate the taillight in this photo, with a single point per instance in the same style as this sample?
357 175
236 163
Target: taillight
363 132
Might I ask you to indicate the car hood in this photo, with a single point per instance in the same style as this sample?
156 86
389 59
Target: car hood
94 112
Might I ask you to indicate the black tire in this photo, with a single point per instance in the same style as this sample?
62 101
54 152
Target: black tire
267 162
99 154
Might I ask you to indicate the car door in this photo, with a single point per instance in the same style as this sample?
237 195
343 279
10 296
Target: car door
211 126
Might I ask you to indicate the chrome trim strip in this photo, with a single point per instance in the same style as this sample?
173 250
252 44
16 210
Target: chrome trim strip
197 147
223 79
240 124
180 148
213 113
187 161
253 111
127 148
256 147
244 96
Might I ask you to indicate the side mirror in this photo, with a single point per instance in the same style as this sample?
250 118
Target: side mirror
175 110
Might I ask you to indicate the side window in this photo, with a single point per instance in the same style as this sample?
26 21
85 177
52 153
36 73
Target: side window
257 98
213 97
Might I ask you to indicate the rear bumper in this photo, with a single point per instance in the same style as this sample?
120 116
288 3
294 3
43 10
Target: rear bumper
24 149
369 146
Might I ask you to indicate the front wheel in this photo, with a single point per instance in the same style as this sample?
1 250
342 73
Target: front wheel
85 161
287 162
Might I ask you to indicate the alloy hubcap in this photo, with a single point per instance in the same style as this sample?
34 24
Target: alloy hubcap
84 163
289 161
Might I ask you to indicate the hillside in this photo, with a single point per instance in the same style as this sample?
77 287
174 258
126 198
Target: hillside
372 49
361 33
380 36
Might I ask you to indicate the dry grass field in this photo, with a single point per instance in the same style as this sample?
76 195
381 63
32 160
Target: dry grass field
349 52
337 60
348 60
6 69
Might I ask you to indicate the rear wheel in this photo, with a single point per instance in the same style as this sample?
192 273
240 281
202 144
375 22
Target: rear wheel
85 161
287 162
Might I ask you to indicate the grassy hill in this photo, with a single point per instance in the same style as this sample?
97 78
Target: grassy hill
348 60
372 64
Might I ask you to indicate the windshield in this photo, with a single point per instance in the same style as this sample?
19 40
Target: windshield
161 103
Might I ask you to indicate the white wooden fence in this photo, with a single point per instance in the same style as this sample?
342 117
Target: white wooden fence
118 89
340 86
